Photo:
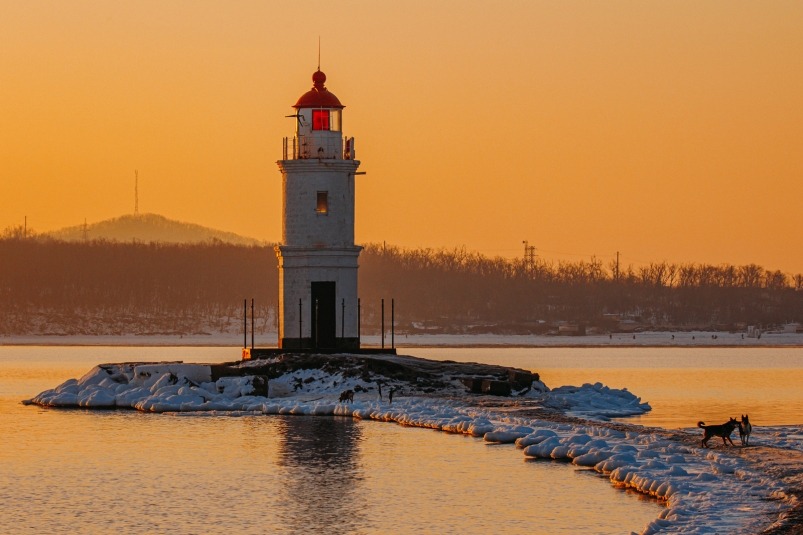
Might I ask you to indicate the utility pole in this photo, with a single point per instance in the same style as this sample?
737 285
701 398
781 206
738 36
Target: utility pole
616 277
25 230
85 231
136 192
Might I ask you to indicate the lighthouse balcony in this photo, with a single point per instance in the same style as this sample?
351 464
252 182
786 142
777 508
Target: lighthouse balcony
303 147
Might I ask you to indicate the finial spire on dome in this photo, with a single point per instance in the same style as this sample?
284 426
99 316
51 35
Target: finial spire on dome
319 96
319 52
318 79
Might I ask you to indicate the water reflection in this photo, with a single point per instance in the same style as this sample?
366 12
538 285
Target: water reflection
320 459
98 472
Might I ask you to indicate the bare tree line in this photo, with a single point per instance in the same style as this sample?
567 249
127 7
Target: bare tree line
457 286
113 287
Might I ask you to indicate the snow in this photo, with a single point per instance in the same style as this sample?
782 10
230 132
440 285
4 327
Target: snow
790 436
591 401
167 387
704 491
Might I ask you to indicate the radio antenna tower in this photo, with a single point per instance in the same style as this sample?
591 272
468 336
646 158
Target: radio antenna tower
529 256
136 192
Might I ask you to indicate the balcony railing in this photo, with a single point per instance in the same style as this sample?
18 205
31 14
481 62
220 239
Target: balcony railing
307 148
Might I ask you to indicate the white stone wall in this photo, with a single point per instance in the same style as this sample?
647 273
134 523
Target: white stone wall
298 267
317 246
302 224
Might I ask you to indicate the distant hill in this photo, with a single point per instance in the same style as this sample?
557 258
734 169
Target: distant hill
150 228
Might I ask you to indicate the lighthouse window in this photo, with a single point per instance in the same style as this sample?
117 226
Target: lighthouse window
334 120
320 119
323 202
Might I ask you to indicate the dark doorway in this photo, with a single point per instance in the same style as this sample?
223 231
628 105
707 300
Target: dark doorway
324 320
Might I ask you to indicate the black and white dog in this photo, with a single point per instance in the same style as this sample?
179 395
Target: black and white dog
744 430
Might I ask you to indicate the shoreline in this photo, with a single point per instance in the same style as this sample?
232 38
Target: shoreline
456 346
644 340
568 425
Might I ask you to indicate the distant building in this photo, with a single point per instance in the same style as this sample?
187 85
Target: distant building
318 258
791 328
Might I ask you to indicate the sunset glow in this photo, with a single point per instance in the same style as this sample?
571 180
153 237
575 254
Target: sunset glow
663 130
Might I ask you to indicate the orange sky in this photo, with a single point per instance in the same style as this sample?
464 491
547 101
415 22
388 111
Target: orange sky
665 130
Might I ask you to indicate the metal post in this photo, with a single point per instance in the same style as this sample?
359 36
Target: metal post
316 324
359 318
252 323
245 323
392 323
383 324
300 340
343 320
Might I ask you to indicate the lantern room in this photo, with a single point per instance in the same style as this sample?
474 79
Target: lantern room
319 126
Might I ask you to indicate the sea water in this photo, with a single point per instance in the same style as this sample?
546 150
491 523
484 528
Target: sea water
683 385
77 471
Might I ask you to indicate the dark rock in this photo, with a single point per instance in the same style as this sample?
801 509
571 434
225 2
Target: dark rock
418 372
521 379
260 384
474 384
496 388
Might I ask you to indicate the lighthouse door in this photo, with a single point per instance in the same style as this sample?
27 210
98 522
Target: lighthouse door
324 318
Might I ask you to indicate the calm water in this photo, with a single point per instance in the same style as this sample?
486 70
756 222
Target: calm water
76 471
683 385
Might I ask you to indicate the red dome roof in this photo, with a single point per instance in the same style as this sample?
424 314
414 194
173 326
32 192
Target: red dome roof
318 96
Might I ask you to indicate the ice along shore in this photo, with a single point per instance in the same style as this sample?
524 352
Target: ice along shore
724 490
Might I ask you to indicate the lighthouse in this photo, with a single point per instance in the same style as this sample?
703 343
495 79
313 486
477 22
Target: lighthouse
318 260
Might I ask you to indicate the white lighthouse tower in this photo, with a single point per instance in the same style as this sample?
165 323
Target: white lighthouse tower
318 259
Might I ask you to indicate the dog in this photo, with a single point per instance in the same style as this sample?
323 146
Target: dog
744 430
723 431
347 395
